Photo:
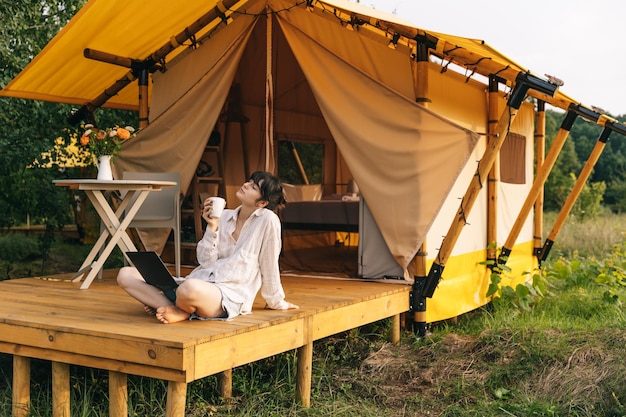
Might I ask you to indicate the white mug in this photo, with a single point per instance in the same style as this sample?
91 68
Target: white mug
218 206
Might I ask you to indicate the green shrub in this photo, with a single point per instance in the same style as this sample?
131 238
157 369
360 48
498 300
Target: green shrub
15 248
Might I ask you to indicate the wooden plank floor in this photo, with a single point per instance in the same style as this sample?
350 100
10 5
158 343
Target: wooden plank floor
102 327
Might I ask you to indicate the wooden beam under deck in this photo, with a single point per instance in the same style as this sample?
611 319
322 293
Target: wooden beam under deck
104 328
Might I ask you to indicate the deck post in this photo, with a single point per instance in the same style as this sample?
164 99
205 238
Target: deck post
226 383
176 398
21 386
395 329
118 394
303 379
60 389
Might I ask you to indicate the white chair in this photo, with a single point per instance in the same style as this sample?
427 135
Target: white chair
161 208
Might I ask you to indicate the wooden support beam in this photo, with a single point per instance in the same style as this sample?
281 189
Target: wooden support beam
226 383
143 98
108 58
20 406
395 329
304 374
584 175
298 161
118 394
524 82
60 389
418 301
542 175
156 56
540 150
176 398
580 183
493 178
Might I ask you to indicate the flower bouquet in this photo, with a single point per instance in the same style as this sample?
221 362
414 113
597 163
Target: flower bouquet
105 144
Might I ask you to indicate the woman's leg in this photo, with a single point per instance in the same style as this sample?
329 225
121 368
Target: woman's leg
193 296
133 283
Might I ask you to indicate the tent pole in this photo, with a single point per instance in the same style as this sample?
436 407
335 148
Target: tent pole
585 173
269 97
493 178
418 301
540 139
542 175
143 98
296 158
523 82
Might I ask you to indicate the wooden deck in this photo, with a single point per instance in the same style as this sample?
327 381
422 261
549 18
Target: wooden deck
50 318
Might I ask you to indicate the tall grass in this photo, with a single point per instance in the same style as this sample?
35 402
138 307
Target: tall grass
591 237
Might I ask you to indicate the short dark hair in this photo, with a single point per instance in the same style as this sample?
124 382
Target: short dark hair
271 189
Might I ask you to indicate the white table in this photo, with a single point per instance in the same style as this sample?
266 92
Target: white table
115 222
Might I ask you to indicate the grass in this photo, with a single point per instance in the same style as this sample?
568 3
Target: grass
562 357
593 237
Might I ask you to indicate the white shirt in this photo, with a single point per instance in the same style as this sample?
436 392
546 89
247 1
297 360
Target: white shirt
241 267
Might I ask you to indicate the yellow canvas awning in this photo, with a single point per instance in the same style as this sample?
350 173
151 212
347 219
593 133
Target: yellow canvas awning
137 30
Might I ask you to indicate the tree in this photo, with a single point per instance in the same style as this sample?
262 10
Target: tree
28 127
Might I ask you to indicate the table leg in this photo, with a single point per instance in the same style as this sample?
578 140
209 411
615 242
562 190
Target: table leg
114 227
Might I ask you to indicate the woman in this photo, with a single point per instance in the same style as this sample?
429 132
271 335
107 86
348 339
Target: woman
238 255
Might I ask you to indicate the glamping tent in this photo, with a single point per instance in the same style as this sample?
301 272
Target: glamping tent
420 121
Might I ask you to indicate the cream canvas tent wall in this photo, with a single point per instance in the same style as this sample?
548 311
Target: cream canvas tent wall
396 150
333 73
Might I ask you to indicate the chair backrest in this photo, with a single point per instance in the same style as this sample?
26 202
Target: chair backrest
162 204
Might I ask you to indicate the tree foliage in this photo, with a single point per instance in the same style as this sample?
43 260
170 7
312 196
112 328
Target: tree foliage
28 127
608 179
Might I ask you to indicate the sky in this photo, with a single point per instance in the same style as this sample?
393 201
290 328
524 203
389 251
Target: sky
579 41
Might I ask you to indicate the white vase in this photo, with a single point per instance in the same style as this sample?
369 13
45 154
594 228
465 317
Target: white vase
104 168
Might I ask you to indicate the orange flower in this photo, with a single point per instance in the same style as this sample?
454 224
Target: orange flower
105 141
123 133
101 135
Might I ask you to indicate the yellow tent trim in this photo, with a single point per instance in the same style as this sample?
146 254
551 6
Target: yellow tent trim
61 73
469 280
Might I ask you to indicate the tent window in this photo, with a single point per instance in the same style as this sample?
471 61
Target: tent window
309 155
513 159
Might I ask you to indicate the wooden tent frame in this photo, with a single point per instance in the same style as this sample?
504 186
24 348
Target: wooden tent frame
425 44
585 173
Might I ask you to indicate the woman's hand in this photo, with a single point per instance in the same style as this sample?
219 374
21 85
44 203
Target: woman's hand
207 211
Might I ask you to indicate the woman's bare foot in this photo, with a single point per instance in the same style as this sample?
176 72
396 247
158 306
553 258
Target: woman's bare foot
171 314
151 311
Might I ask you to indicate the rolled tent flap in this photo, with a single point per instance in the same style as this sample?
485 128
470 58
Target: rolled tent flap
404 157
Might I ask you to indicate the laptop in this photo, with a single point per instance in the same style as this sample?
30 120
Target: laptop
153 270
